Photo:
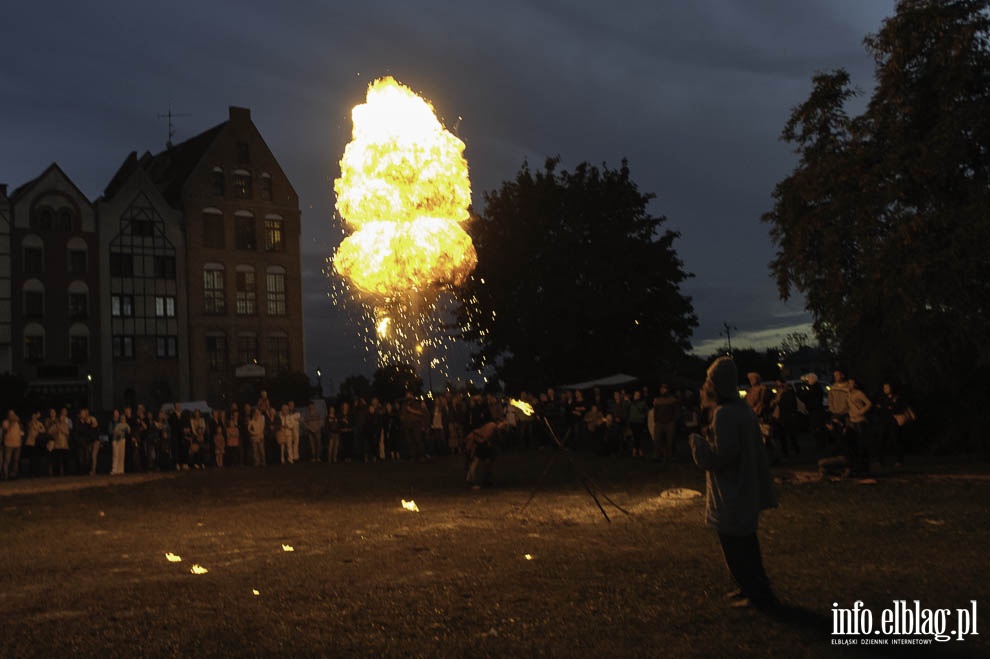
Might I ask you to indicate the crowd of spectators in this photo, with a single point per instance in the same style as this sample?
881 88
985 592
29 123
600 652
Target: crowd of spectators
635 422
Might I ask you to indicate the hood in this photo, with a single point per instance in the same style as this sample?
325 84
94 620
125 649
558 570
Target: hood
725 378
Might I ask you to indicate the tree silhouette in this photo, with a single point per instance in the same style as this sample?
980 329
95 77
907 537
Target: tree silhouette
884 225
575 279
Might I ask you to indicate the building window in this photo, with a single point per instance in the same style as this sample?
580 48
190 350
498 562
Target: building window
142 228
78 307
274 235
247 302
42 219
247 348
77 262
121 265
216 353
165 306
243 152
244 227
266 187
34 260
63 221
34 347
79 349
34 303
213 230
122 306
213 299
275 287
164 267
242 185
278 353
123 347
165 347
218 182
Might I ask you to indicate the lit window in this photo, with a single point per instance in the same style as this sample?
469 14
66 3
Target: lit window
274 235
247 303
275 287
122 305
165 306
213 293
242 185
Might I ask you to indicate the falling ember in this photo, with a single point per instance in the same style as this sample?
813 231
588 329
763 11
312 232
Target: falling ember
255 592
404 192
172 558
288 548
410 505
198 569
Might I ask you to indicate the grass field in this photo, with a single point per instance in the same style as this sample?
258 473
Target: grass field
84 571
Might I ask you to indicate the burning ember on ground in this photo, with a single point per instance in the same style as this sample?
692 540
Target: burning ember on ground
404 193
172 558
528 557
255 592
198 569
410 505
288 548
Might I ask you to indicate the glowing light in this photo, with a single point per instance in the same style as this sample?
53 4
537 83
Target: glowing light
522 406
528 557
172 558
404 192
288 548
198 569
255 592
410 506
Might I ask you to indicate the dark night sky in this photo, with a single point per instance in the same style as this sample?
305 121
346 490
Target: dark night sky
694 94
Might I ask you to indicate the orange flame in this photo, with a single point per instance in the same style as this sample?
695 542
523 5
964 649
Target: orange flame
404 189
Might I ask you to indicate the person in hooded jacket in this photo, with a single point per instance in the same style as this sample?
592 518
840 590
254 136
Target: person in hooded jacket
737 483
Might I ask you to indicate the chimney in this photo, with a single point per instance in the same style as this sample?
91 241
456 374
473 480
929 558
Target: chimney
239 114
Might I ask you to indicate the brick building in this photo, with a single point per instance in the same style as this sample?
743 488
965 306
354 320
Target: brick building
242 261
54 279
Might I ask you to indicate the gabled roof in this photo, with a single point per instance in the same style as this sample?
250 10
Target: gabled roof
26 187
170 168
123 173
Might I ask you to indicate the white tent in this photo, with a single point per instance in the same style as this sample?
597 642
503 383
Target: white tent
616 380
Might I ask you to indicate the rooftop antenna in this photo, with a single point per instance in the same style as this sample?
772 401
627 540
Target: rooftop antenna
728 335
171 125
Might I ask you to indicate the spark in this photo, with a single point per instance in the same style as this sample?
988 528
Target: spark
410 505
198 569
172 558
288 548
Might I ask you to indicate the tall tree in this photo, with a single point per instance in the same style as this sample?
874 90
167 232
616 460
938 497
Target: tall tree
575 279
884 225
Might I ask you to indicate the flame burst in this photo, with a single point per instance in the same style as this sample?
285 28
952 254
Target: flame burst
198 569
172 558
410 506
404 191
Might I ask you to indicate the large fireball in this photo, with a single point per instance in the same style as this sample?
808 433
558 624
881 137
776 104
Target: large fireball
404 191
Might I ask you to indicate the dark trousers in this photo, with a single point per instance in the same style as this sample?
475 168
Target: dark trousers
742 556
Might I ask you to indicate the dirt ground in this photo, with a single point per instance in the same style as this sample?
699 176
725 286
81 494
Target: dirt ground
323 560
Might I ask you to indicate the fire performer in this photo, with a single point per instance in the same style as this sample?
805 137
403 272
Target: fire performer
738 485
481 453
